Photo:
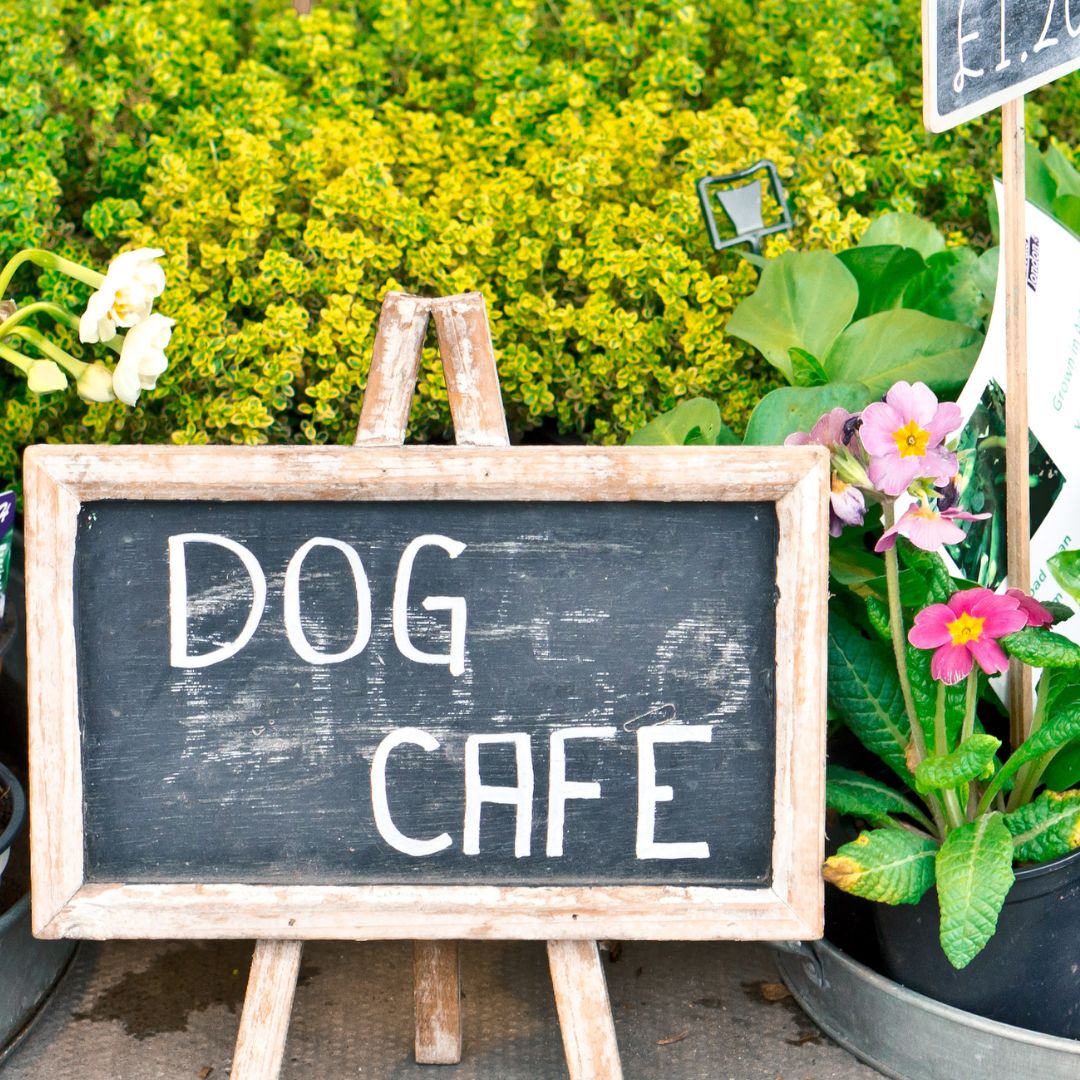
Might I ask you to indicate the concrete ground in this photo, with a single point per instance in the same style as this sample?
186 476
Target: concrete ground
169 1011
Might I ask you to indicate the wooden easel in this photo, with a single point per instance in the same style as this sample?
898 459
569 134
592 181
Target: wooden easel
581 996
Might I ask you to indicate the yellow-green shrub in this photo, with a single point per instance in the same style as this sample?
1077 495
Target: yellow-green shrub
295 169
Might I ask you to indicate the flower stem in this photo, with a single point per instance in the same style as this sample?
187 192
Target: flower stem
953 812
23 363
970 700
899 643
68 362
48 261
60 314
1029 775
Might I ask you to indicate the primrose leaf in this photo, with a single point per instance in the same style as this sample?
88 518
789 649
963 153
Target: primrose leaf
974 875
676 427
890 866
973 759
907 230
865 692
1064 768
904 344
877 611
852 793
882 272
940 584
1065 566
1061 727
803 300
797 408
924 691
1047 828
1039 647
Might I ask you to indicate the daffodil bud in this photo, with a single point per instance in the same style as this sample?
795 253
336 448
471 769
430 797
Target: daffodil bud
45 376
96 383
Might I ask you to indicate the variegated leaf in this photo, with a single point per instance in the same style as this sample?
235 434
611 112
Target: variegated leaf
1046 828
891 866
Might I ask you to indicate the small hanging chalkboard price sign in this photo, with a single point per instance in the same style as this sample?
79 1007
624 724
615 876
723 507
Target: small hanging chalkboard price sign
978 54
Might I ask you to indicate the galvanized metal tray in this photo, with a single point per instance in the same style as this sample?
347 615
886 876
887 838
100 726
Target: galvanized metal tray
911 1037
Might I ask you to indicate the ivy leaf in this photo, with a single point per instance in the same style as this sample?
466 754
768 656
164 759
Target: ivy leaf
677 427
904 344
803 300
1047 828
1040 647
865 692
852 793
798 408
973 759
1065 566
890 866
974 874
907 230
882 271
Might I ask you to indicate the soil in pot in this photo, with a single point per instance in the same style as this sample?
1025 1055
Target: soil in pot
1029 973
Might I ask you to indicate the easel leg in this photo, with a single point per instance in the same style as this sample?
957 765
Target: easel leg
581 998
264 1023
437 1002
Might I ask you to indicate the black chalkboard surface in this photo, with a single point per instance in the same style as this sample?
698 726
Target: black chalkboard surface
615 621
981 53
427 692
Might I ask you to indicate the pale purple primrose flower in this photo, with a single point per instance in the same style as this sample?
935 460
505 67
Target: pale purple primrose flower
927 528
846 503
904 434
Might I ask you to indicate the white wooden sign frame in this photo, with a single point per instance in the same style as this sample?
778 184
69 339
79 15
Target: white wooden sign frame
59 480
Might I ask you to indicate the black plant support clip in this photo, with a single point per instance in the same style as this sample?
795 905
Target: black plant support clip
742 204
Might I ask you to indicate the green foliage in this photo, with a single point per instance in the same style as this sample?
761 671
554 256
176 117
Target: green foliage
850 792
1042 648
890 866
790 409
973 759
974 874
1046 828
691 423
1065 566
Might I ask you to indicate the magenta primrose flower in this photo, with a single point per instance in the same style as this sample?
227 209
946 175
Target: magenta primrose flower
1036 614
929 529
904 434
847 506
966 629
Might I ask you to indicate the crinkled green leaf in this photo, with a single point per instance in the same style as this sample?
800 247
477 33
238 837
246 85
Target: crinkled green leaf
798 408
904 344
924 692
852 793
1047 828
890 866
974 875
907 230
1039 647
1060 727
877 611
940 584
803 300
676 427
973 759
864 690
1065 566
882 271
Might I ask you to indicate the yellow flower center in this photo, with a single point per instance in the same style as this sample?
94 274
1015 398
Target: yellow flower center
964 629
911 440
121 307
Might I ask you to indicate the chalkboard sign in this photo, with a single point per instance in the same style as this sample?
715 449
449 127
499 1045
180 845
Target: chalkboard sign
426 692
978 54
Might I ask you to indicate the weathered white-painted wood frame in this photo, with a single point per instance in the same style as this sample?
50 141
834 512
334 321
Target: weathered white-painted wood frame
60 479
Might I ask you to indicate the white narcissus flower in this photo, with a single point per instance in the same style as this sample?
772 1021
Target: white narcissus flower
125 297
45 376
142 358
96 383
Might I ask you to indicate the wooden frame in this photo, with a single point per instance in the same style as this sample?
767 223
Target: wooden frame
60 479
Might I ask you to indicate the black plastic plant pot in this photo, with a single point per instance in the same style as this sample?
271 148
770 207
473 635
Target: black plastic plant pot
1029 973
12 813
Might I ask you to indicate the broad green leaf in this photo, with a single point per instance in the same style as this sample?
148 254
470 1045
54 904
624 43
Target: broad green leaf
974 874
890 866
1065 174
1065 566
915 589
877 611
1039 647
949 288
675 427
865 692
940 584
924 691
803 300
882 272
906 230
852 793
1040 185
798 408
986 272
1066 209
850 564
1063 694
1046 828
973 759
1063 772
1060 727
904 344
806 369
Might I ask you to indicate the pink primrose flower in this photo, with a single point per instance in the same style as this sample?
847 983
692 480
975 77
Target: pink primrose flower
1036 614
904 434
966 629
834 430
927 528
